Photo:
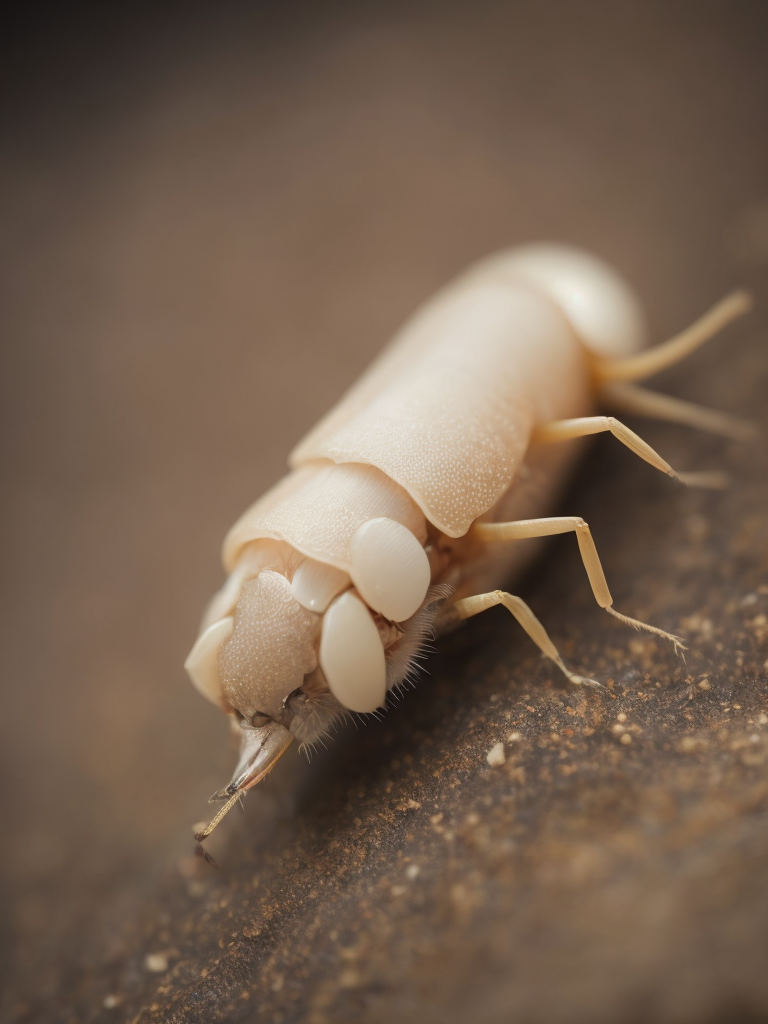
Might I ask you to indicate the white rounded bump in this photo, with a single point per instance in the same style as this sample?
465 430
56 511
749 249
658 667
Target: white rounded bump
202 662
352 656
315 584
390 568
598 302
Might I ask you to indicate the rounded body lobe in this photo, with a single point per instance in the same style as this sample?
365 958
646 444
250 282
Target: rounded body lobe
318 508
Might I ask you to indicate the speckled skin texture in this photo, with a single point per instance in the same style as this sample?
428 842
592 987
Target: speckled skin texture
271 649
195 210
323 507
448 410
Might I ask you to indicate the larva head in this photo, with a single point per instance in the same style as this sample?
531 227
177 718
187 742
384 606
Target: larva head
259 664
597 301
299 642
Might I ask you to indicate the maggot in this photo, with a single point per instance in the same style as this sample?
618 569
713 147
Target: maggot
404 506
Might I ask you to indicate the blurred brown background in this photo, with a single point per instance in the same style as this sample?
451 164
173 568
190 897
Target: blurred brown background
212 217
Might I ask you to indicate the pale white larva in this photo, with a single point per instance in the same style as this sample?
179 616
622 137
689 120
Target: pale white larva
402 505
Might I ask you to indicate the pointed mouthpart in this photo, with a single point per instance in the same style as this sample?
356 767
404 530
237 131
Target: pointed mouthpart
260 751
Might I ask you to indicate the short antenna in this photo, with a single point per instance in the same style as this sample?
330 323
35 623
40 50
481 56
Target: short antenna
203 833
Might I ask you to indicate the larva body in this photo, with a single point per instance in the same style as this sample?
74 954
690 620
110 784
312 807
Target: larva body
389 523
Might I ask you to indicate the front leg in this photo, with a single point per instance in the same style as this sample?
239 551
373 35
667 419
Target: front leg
466 607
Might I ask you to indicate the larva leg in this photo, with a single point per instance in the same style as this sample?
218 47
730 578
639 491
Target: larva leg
466 607
653 360
567 430
527 528
633 399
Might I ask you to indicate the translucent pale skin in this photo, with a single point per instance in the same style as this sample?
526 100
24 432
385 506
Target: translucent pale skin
318 508
612 326
436 436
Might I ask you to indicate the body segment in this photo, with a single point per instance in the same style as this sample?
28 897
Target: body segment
447 412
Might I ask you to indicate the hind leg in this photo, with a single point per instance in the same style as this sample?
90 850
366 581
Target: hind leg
583 426
630 398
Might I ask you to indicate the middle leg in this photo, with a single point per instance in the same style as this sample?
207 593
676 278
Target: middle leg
528 528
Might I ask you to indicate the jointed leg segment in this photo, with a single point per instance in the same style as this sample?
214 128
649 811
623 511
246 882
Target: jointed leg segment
612 377
527 528
567 430
469 606
524 529
633 399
